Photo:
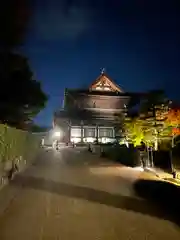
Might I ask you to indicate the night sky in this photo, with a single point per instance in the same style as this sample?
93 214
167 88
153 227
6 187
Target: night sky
137 41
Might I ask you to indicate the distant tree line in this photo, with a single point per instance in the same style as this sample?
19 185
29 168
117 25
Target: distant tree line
21 96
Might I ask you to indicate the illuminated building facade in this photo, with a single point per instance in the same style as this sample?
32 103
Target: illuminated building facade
92 114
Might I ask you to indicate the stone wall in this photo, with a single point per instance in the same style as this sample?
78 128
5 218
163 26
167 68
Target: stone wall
17 149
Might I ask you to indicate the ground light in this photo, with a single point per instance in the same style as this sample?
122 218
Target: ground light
141 169
75 140
56 135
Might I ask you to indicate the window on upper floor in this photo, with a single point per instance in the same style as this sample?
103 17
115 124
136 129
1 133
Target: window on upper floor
103 88
99 88
107 89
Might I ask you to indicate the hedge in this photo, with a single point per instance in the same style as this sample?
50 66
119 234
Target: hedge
16 145
122 154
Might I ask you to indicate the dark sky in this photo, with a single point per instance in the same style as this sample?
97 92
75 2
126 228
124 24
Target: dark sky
136 41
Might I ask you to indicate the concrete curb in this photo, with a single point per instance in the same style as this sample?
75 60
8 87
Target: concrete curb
152 172
169 179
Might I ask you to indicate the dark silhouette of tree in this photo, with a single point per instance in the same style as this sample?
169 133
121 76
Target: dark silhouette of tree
153 101
148 121
40 129
21 97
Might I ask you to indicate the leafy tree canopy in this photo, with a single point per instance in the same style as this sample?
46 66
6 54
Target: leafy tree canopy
21 97
153 100
148 125
173 118
138 130
37 128
173 122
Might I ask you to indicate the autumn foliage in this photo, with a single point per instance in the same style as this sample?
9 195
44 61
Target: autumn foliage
173 121
137 130
173 117
176 131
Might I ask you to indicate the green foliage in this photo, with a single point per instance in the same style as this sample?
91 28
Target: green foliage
139 130
134 131
16 143
150 125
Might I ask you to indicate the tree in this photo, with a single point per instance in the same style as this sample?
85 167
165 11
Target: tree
138 130
21 97
153 109
173 127
133 131
173 123
173 118
150 109
39 129
148 126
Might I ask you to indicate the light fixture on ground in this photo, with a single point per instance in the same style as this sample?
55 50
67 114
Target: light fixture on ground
75 140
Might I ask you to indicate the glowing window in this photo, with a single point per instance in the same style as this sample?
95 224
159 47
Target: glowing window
98 88
75 132
89 132
106 132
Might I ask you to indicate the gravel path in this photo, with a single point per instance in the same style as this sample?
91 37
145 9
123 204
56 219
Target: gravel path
76 195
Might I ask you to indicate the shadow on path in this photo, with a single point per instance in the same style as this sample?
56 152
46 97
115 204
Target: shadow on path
93 195
164 195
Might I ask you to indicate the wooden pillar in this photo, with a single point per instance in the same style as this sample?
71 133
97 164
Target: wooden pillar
82 131
114 134
69 132
97 133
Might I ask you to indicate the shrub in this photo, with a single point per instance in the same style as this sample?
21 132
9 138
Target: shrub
124 155
17 144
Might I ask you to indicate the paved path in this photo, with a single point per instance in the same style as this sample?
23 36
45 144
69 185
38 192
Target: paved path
75 195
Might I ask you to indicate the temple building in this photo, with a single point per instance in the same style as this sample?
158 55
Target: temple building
92 114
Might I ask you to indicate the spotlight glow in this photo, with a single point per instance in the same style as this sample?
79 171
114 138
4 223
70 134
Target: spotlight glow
57 134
